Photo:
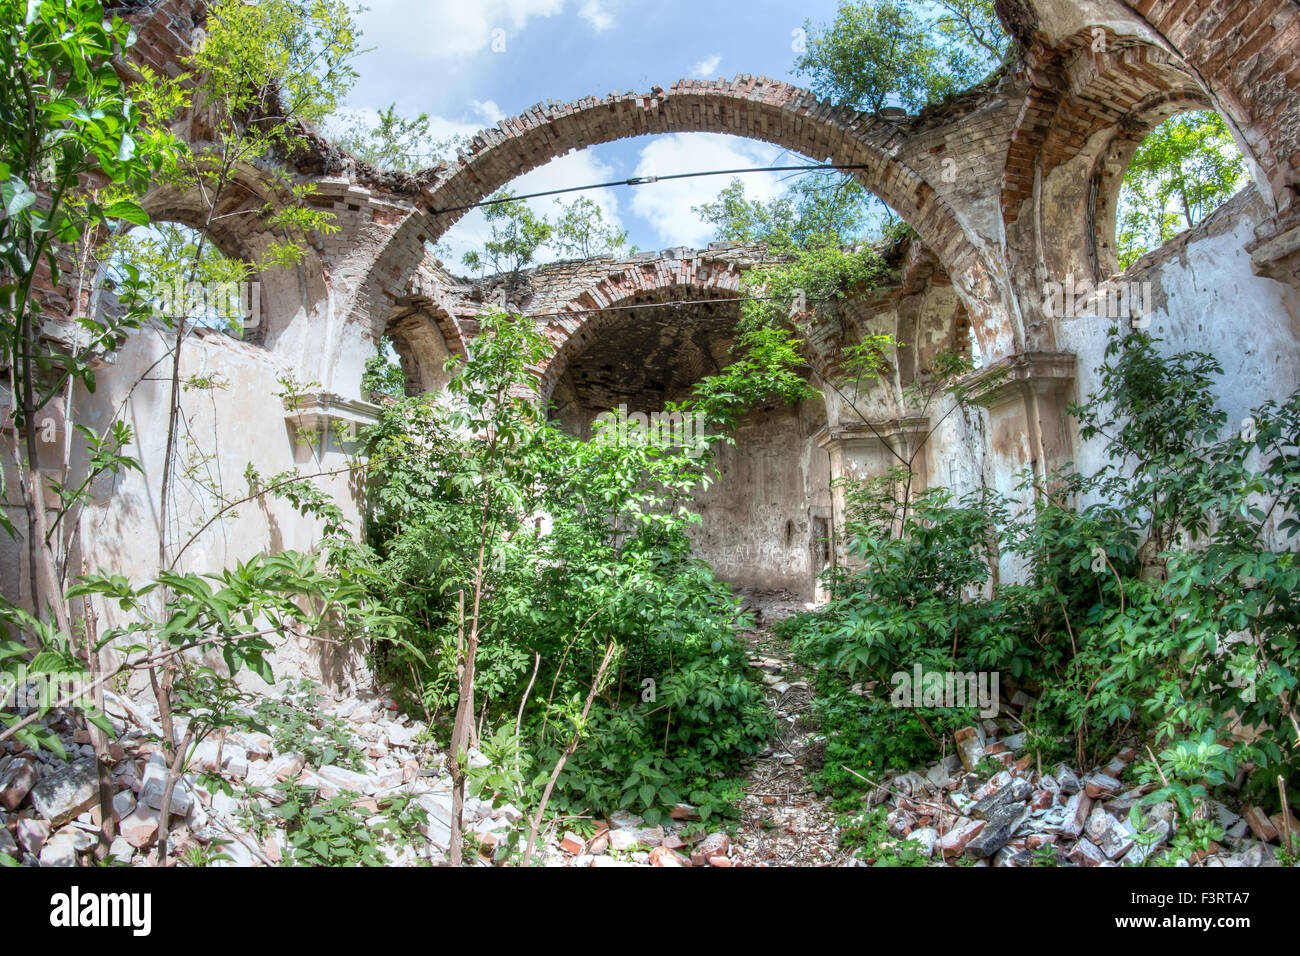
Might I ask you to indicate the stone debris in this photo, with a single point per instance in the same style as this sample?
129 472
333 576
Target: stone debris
925 838
629 838
1018 817
662 856
63 795
16 782
980 804
154 783
1260 825
710 848
8 845
50 813
954 842
61 850
968 747
140 829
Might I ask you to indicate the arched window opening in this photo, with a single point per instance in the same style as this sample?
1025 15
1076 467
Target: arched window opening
180 273
386 374
1184 169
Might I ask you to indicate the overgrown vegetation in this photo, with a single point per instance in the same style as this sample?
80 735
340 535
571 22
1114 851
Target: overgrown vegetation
903 53
517 234
1155 603
70 122
523 554
535 596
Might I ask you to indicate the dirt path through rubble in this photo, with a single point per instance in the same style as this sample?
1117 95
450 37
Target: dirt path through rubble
784 822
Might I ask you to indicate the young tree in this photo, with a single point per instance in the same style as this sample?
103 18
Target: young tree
262 74
516 234
976 39
582 232
1182 172
383 373
393 141
66 118
879 53
818 210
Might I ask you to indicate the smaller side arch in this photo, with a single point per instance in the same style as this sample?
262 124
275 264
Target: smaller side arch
420 335
581 320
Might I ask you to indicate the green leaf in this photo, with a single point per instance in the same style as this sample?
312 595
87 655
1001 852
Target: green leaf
128 211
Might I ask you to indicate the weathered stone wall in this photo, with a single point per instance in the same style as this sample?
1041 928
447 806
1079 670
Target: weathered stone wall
765 515
240 421
1207 299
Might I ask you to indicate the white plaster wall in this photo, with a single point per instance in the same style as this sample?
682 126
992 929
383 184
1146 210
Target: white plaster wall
1206 299
758 525
239 424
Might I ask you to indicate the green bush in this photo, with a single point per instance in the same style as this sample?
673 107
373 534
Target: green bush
1157 599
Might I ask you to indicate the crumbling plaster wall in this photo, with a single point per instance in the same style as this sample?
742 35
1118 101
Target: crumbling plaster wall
240 422
760 523
1206 298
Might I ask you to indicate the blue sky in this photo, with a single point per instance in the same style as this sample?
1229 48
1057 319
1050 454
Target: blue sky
468 63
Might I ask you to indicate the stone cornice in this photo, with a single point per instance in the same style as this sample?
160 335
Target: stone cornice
1006 379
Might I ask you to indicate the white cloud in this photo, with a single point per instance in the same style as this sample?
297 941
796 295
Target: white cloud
666 206
704 70
597 14
447 29
488 111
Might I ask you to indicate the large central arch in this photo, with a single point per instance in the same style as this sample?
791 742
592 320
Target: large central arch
751 107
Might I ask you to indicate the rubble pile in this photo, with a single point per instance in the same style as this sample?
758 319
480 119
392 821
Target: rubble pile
50 813
1021 815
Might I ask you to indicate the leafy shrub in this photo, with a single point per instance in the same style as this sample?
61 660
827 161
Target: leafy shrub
297 723
577 545
1157 597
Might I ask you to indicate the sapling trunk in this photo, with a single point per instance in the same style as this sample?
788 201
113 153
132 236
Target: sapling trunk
536 822
165 812
464 722
99 739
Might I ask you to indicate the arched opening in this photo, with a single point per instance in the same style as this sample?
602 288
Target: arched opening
1178 173
643 352
635 334
765 516
420 348
286 265
632 344
187 275
749 107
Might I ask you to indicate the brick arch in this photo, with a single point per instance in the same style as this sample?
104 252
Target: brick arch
1075 93
1246 53
424 336
751 107
239 232
585 317
236 235
1070 146
1112 165
1243 54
